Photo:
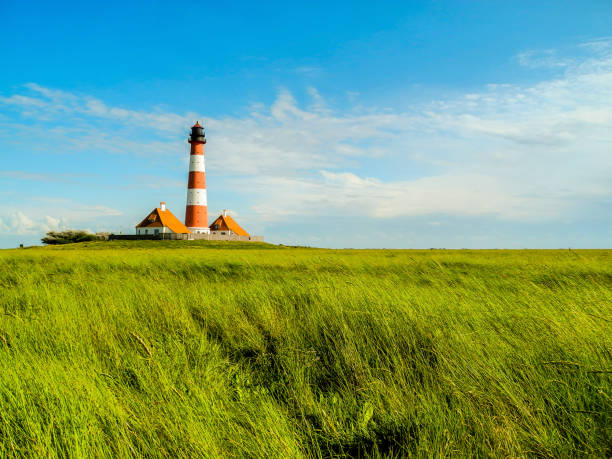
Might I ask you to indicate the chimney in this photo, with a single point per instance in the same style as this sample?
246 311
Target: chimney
225 212
162 206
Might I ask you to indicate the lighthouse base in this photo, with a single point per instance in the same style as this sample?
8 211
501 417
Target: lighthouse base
199 230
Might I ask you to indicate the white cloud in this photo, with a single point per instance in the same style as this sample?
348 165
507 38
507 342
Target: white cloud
347 194
33 218
19 223
516 152
52 222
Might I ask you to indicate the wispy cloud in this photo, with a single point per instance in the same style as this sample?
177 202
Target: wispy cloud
310 71
38 177
52 102
543 58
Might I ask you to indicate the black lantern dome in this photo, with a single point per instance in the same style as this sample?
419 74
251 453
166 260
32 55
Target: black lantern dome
197 134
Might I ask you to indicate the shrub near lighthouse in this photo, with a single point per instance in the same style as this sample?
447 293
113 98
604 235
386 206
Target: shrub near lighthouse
196 213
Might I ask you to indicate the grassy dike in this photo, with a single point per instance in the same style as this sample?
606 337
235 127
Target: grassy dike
174 349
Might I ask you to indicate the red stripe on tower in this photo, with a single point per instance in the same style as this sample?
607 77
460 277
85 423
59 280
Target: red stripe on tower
196 214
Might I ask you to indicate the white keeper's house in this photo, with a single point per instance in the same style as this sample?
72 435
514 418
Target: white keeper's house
161 221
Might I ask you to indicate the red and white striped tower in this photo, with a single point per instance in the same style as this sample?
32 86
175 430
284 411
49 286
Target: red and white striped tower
196 214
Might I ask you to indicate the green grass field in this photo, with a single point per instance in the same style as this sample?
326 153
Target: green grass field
171 348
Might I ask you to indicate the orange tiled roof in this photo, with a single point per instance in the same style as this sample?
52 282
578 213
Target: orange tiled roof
159 217
227 223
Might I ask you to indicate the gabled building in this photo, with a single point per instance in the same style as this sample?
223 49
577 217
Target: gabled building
225 225
161 221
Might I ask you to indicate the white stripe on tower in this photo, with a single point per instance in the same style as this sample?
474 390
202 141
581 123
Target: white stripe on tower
196 163
196 197
196 213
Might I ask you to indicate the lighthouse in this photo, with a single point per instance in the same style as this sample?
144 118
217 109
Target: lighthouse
196 213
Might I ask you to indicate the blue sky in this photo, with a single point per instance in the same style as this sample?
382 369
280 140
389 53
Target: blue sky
396 124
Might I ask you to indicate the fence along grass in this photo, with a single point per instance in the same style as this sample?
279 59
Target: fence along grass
135 349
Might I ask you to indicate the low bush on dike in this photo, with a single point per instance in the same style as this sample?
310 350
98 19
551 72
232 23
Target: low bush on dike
253 352
69 237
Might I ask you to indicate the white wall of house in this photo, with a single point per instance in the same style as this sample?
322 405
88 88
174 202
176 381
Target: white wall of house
151 230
